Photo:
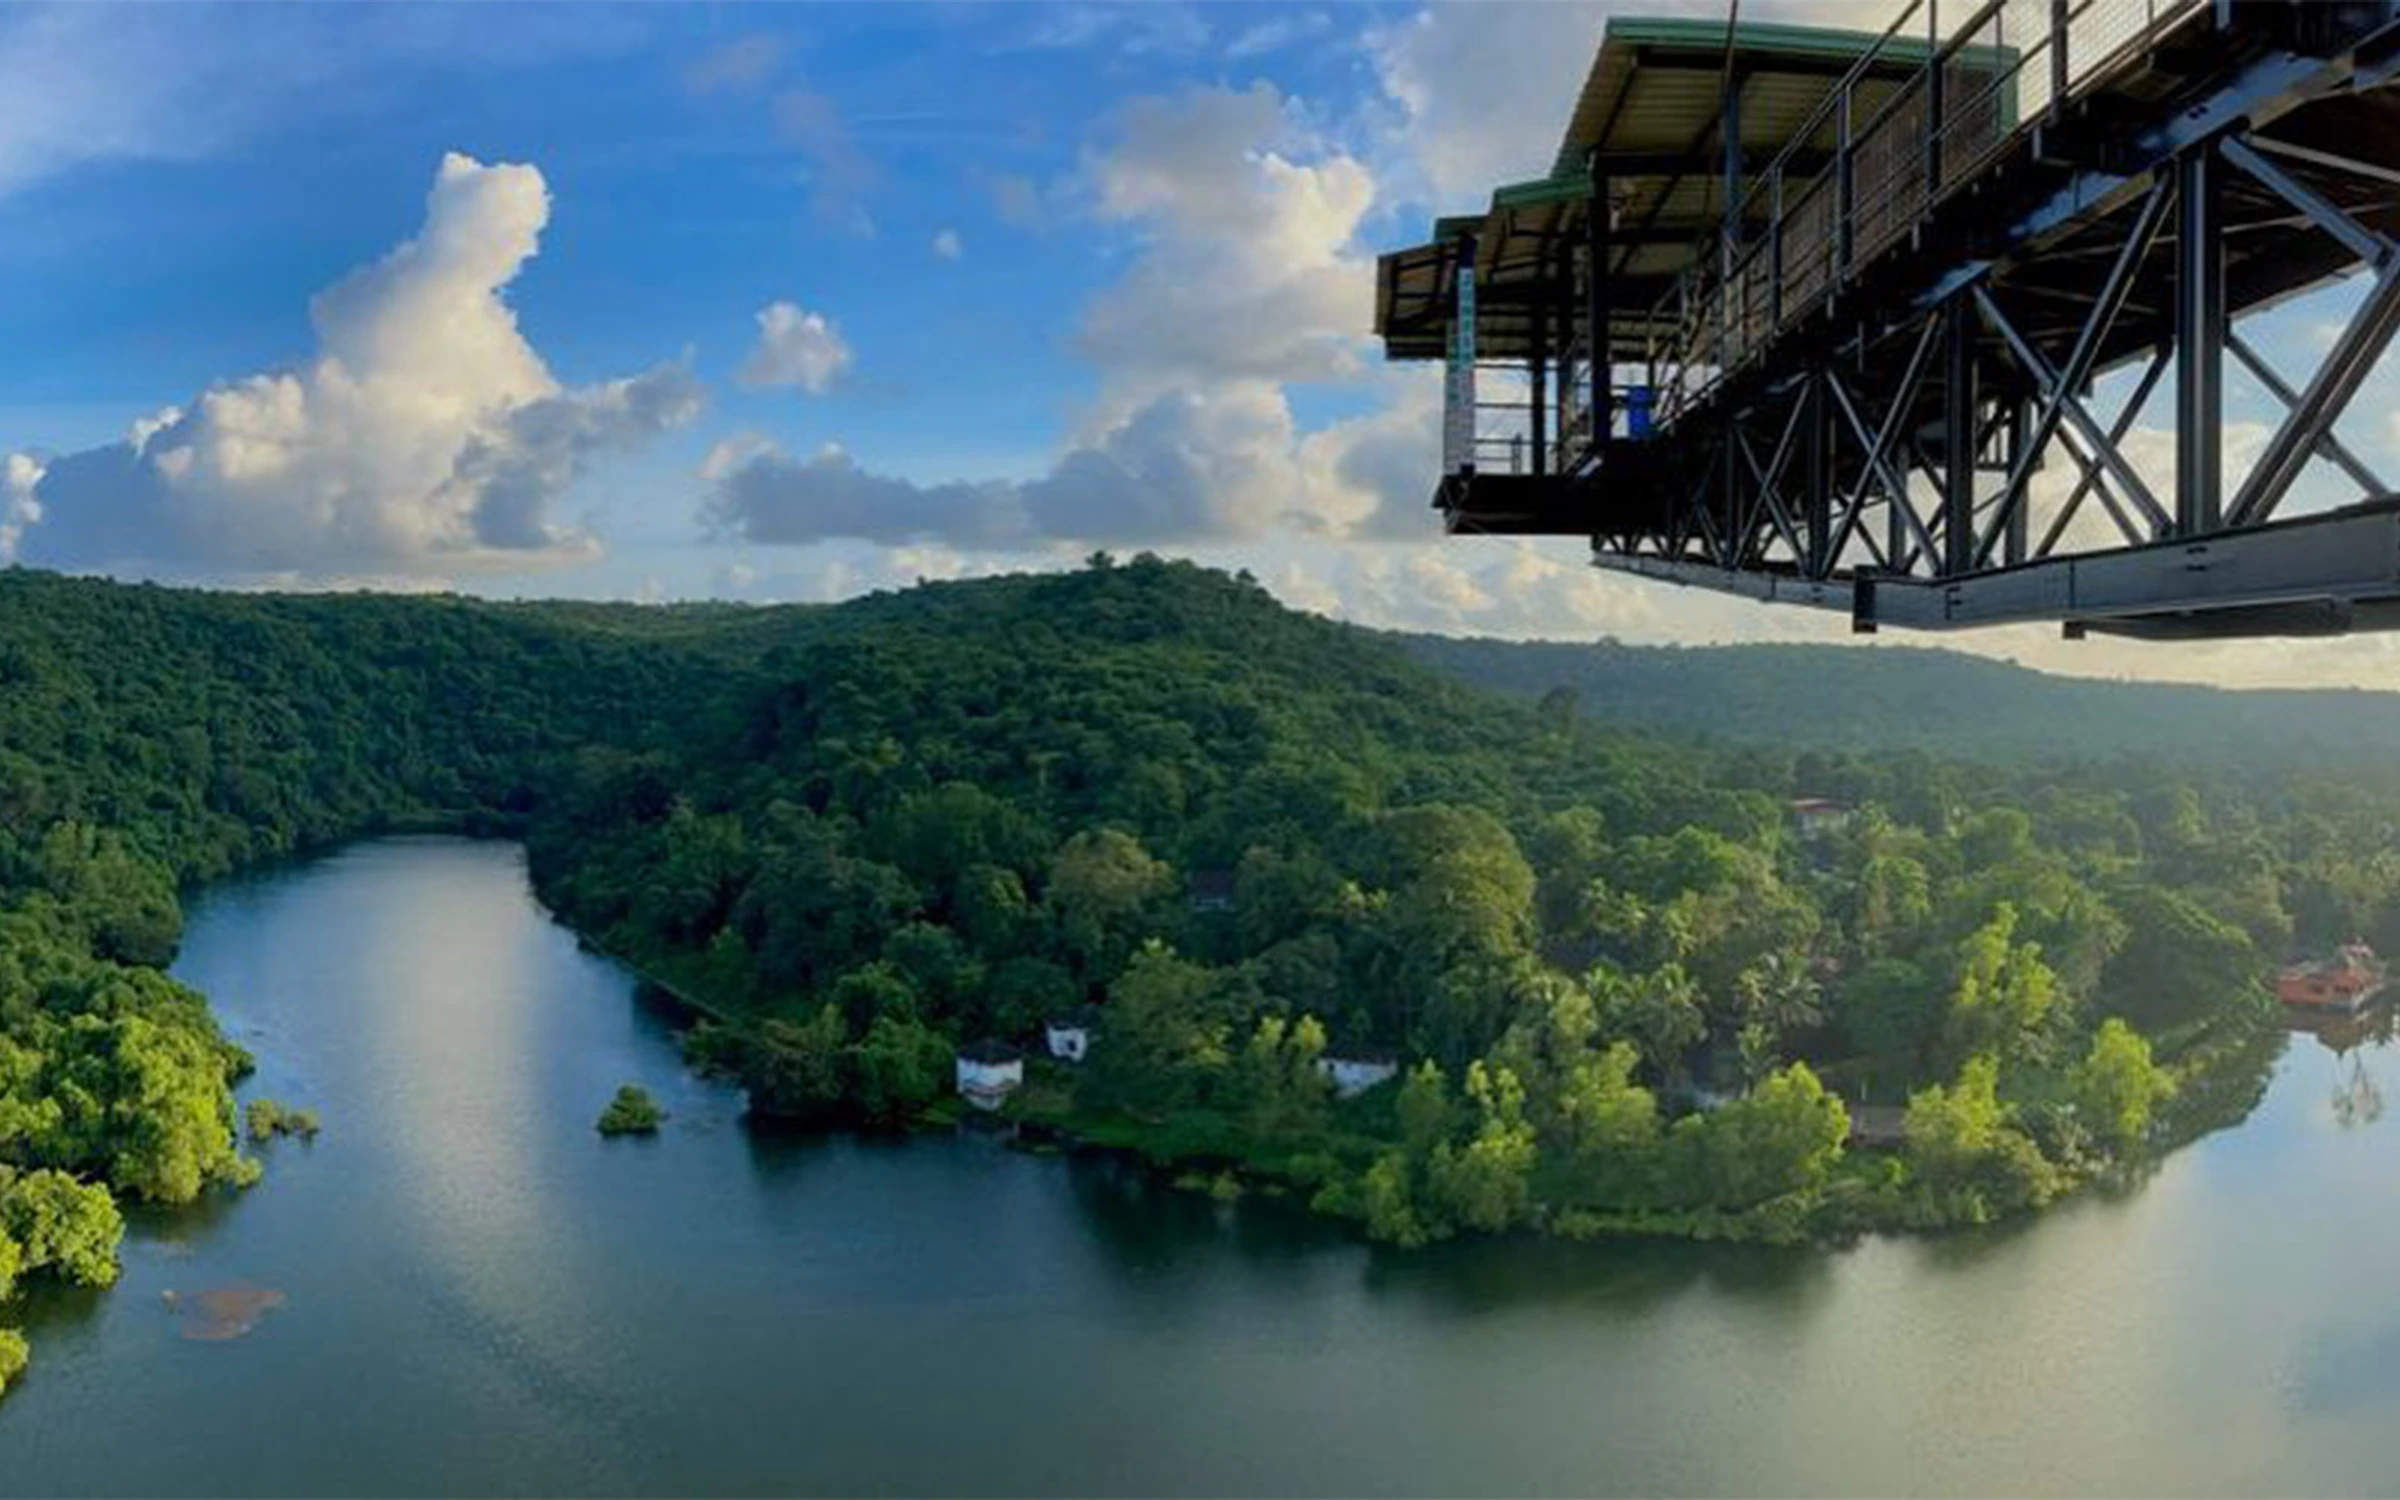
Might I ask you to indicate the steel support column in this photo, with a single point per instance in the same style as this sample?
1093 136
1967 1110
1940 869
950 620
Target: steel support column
1815 456
1958 439
2060 18
1537 377
1733 539
2200 328
1596 302
2020 521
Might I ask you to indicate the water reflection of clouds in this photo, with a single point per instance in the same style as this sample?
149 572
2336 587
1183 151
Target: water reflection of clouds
457 1043
462 1047
2346 1371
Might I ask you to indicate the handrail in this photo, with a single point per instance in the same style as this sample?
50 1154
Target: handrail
1917 148
1840 90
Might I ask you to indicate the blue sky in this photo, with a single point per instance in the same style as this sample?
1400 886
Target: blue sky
793 301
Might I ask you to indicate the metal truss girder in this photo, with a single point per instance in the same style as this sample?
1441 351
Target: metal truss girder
2255 94
2346 562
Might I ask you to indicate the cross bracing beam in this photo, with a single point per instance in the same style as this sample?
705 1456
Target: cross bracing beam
2373 248
2321 404
2089 482
2329 445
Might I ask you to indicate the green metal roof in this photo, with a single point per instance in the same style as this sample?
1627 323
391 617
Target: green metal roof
1761 38
1565 187
1787 71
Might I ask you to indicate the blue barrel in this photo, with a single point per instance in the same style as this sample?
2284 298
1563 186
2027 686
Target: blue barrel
1640 400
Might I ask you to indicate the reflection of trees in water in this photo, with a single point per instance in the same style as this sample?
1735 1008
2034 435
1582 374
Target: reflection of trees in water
781 1152
2357 1098
2224 1091
1488 1275
45 1304
1151 1232
1146 1226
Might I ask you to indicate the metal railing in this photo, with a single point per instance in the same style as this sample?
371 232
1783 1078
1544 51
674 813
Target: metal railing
1893 149
1503 438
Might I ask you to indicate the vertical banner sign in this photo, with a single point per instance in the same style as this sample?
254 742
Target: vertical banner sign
1458 396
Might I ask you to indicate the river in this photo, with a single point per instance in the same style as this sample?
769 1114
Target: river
480 1295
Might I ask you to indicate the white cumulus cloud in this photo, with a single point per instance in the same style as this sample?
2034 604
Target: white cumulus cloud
1211 463
795 347
1245 276
1248 267
424 435
19 477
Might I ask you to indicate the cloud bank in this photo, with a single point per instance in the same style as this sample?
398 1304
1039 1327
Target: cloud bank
1244 278
425 434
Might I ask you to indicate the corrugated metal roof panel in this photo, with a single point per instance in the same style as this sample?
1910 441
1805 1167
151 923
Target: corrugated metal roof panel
1625 105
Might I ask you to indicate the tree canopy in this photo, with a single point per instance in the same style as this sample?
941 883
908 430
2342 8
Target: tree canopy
1623 986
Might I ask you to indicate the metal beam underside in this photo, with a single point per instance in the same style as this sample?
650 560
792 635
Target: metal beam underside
2313 575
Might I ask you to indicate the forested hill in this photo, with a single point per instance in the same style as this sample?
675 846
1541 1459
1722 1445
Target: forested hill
1902 698
208 730
863 835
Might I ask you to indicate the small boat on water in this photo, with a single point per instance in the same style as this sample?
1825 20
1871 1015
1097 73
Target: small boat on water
2344 984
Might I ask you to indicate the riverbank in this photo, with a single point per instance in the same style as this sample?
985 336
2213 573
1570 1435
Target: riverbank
2221 1076
575 1318
2219 1070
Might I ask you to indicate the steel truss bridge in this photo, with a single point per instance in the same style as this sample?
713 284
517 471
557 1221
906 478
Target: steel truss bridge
1896 323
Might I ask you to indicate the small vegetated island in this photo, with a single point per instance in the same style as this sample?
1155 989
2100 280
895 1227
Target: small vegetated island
264 1120
632 1112
1618 982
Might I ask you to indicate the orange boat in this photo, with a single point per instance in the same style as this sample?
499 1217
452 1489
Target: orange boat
2343 984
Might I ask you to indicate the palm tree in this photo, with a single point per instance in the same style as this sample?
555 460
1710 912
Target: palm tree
1778 993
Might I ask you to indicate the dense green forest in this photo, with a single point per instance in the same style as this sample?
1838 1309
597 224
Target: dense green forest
1628 988
1899 697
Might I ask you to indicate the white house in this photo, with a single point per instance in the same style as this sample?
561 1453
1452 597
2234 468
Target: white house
988 1073
1353 1076
1070 1036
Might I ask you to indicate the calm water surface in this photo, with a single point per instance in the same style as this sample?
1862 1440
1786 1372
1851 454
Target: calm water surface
482 1296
